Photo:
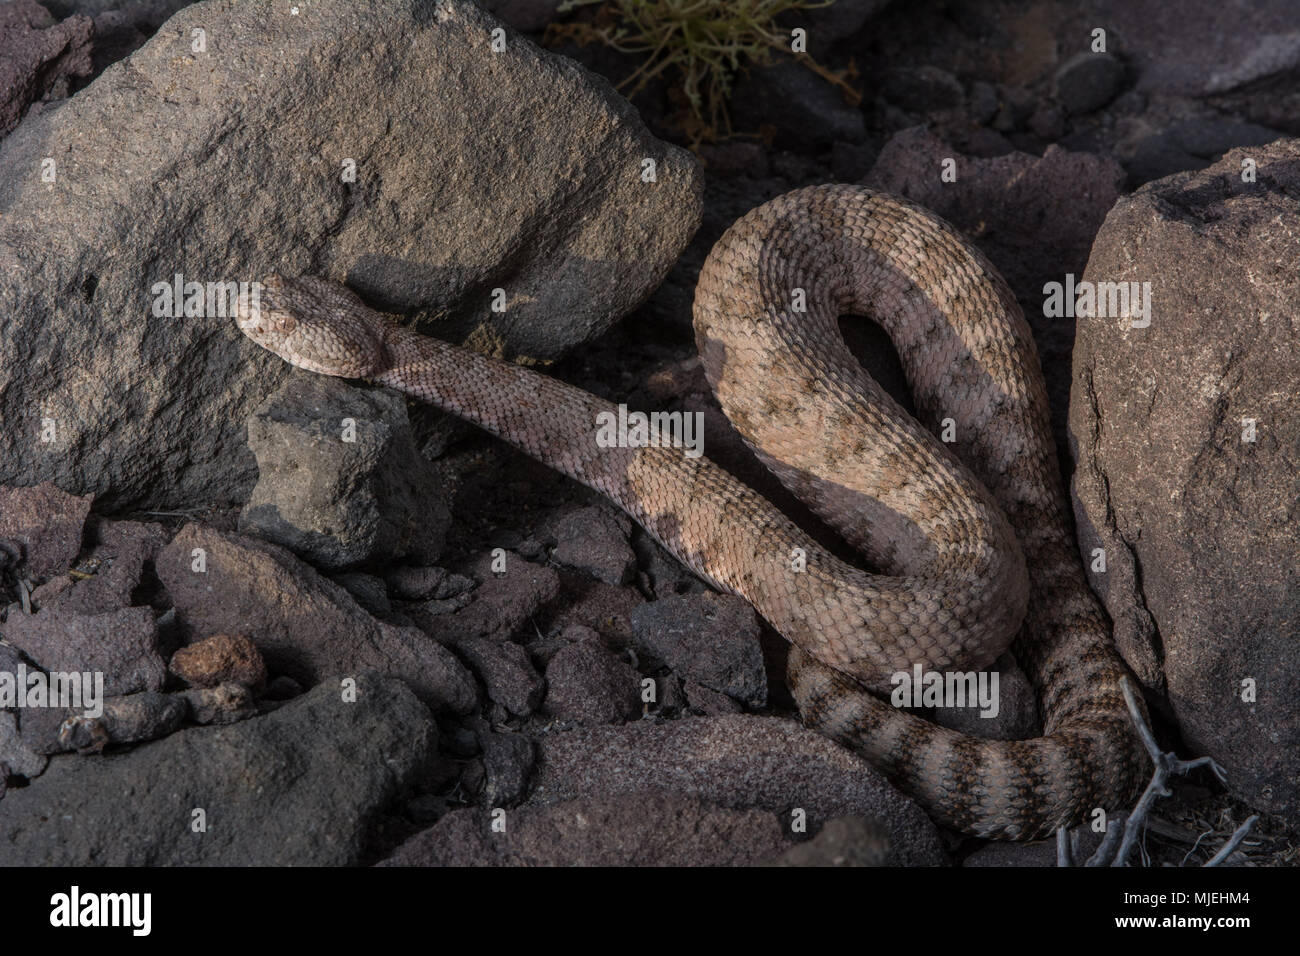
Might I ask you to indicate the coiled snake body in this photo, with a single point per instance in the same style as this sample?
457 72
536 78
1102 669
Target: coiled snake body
951 528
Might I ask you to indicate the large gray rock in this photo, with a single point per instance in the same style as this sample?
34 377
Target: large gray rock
230 162
300 786
1197 522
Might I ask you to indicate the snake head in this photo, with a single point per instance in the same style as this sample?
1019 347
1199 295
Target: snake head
315 324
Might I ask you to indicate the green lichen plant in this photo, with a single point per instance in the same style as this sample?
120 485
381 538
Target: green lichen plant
705 42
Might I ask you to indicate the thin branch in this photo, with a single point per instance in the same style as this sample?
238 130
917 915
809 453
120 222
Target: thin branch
1103 854
1063 856
1234 841
1166 764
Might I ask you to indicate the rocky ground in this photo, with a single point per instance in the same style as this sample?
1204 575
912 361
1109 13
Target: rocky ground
371 657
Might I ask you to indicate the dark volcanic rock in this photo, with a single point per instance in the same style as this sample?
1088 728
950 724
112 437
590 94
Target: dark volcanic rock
41 56
500 604
711 639
508 761
594 539
46 523
708 702
923 88
122 555
122 645
804 107
340 481
589 685
1188 448
299 786
599 606
1191 144
304 625
579 232
635 829
740 762
844 841
1088 81
368 590
426 583
505 669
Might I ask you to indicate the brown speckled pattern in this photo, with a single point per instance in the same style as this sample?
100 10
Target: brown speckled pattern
951 528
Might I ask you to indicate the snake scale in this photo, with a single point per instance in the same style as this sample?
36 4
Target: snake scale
970 541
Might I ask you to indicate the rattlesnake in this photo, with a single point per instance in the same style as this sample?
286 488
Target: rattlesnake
951 528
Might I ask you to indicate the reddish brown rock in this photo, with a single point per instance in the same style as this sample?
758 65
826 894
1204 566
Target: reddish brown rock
218 659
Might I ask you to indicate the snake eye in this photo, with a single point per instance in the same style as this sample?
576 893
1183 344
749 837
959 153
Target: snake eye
285 323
